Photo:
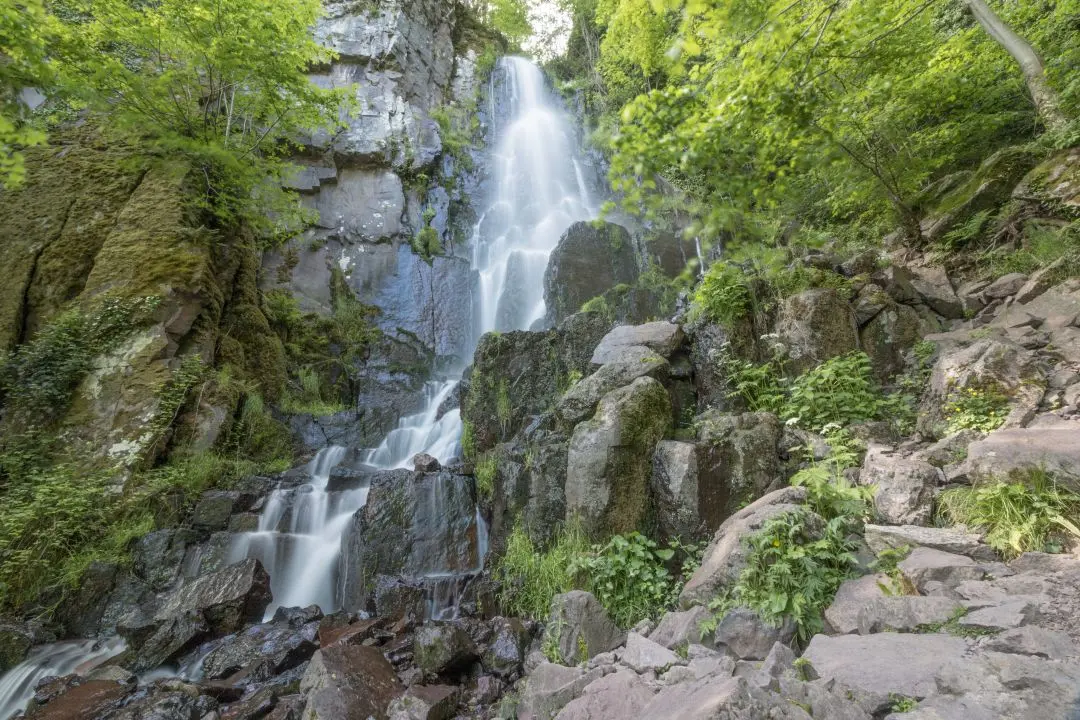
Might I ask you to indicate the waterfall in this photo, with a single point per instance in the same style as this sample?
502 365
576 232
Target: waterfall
539 190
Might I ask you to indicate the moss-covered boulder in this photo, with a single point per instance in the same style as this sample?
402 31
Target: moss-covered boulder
15 643
1054 184
519 375
815 326
591 258
609 461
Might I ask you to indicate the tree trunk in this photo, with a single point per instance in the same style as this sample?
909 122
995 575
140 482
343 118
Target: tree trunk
1031 65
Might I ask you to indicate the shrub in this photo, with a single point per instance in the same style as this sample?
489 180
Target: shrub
1017 517
486 469
724 295
629 576
529 578
828 491
983 409
761 387
840 391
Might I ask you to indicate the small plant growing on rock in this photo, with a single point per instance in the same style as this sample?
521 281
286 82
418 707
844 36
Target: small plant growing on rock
486 468
723 295
1017 517
982 409
902 703
530 577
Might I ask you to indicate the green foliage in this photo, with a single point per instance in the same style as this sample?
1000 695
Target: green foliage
486 469
223 83
1040 247
952 626
528 578
839 391
975 408
427 244
1017 517
794 565
26 29
38 378
629 575
762 387
902 703
723 295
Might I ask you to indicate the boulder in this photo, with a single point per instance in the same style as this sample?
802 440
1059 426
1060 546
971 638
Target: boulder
674 489
903 486
551 687
746 636
871 664
591 258
951 540
738 462
987 364
886 338
609 458
426 702
1005 286
622 694
349 682
681 629
871 300
925 565
579 624
725 557
1054 182
580 401
423 462
442 647
1035 641
214 509
15 643
413 525
227 599
842 616
264 650
904 613
532 367
935 289
662 338
157 557
1014 453
643 655
815 326
504 654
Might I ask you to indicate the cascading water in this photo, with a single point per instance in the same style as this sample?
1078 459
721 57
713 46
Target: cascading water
539 190
17 686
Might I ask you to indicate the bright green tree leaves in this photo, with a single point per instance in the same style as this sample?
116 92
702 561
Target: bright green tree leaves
25 29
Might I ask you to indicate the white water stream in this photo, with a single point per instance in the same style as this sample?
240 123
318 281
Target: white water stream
539 190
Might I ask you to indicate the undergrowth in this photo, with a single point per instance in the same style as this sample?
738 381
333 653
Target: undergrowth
1017 517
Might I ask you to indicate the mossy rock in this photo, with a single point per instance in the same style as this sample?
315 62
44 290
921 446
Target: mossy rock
1054 184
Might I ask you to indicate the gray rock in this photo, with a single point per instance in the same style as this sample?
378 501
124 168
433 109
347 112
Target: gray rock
213 510
870 664
663 338
675 490
780 660
157 557
580 401
934 288
441 647
15 643
681 629
265 650
1016 452
551 687
951 540
1006 285
425 702
227 599
871 300
643 655
725 557
903 486
1006 616
926 565
348 682
904 613
589 260
738 462
505 653
816 325
578 623
886 338
622 694
748 637
1033 640
610 458
842 616
425 463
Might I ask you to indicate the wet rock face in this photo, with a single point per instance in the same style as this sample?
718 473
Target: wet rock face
588 261
349 682
414 525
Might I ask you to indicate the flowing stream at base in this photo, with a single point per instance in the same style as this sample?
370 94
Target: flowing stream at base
539 190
